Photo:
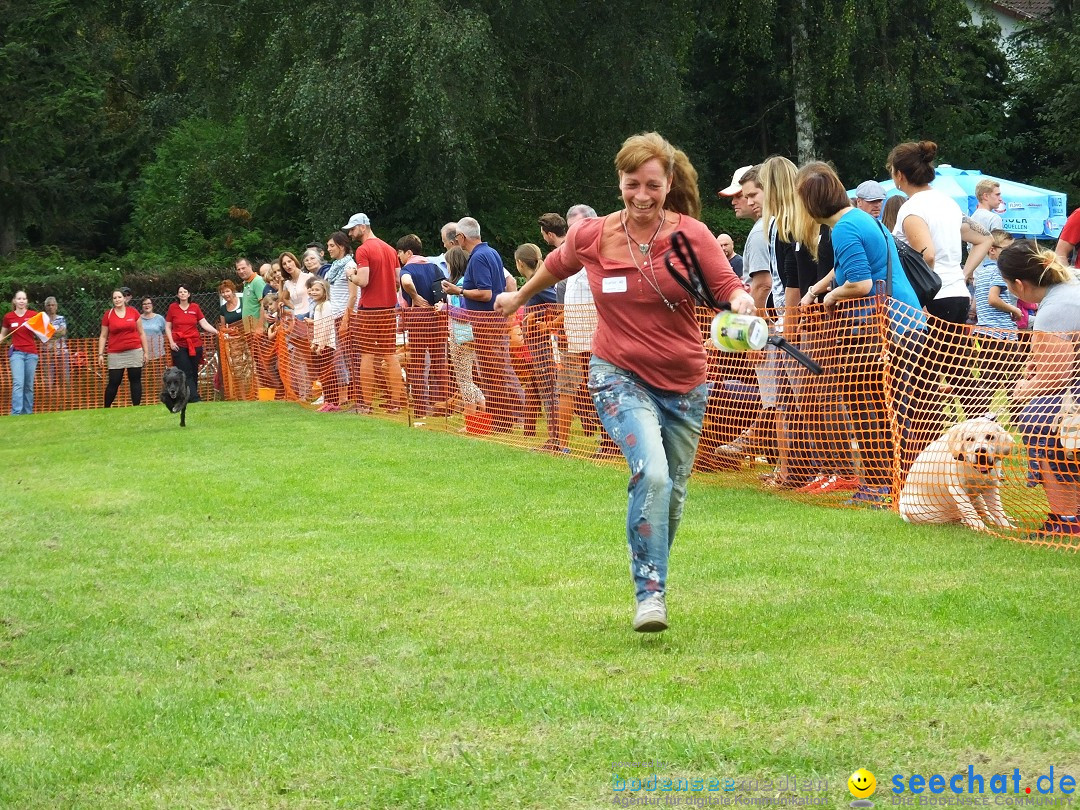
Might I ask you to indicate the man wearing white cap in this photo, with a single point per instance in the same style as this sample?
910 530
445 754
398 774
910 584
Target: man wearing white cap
746 197
376 274
755 255
869 196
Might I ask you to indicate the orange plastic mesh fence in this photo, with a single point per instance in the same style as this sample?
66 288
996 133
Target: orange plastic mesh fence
69 376
897 421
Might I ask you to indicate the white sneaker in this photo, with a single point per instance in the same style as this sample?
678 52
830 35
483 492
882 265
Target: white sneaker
651 616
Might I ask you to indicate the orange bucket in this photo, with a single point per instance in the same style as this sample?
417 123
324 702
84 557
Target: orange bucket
267 394
478 423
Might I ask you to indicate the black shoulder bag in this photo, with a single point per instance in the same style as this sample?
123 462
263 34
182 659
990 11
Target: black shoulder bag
923 280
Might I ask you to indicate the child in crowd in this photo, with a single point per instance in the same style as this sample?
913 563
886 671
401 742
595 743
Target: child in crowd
323 343
1000 354
266 358
269 314
995 305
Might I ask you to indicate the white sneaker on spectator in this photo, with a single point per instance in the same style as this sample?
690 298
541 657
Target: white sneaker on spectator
651 616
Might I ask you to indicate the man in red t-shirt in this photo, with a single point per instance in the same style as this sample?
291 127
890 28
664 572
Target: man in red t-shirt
1069 239
376 274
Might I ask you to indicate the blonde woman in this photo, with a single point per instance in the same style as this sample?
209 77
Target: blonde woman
777 381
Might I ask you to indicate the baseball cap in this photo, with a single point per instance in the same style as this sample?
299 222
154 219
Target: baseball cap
870 190
356 219
735 186
125 290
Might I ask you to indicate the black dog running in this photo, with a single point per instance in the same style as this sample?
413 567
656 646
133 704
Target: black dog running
174 392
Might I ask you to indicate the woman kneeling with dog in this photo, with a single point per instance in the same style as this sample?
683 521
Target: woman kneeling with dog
1036 275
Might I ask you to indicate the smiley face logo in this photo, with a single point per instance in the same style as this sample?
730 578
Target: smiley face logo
862 784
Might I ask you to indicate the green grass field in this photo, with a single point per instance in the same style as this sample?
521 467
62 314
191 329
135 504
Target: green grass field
279 608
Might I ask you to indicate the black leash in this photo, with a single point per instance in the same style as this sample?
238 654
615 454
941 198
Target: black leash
694 283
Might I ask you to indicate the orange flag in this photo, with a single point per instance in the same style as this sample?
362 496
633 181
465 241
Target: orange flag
40 326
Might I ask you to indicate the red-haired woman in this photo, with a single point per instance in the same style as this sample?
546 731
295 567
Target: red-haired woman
647 375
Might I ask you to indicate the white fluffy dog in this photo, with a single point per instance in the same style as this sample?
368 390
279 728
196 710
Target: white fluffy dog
957 477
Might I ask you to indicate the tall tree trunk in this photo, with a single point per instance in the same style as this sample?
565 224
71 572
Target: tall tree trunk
800 81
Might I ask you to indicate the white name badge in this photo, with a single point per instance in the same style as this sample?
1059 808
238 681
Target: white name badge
614 284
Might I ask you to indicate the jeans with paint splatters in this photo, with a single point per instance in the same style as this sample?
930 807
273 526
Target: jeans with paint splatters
657 432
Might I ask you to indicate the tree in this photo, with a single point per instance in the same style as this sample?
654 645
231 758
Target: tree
261 122
71 131
1045 98
797 77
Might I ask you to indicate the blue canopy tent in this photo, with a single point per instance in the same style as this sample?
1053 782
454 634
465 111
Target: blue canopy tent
1029 211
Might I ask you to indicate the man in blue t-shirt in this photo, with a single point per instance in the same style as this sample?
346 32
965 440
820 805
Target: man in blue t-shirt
425 328
483 281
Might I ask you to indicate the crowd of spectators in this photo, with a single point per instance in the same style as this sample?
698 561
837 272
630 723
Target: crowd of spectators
394 327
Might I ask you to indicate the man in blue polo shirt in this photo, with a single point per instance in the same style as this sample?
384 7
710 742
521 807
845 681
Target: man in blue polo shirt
482 282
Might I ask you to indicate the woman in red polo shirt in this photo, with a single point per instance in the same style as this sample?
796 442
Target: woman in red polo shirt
182 324
122 334
24 354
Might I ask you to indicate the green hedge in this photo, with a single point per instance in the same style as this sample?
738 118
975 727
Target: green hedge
70 279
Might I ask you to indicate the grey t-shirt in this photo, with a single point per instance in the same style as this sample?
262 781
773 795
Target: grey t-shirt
1059 311
989 220
757 259
755 252
154 328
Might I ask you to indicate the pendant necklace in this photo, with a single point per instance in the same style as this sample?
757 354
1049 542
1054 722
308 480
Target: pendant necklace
645 249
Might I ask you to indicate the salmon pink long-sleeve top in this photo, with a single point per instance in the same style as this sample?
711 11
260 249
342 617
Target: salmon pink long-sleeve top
636 330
